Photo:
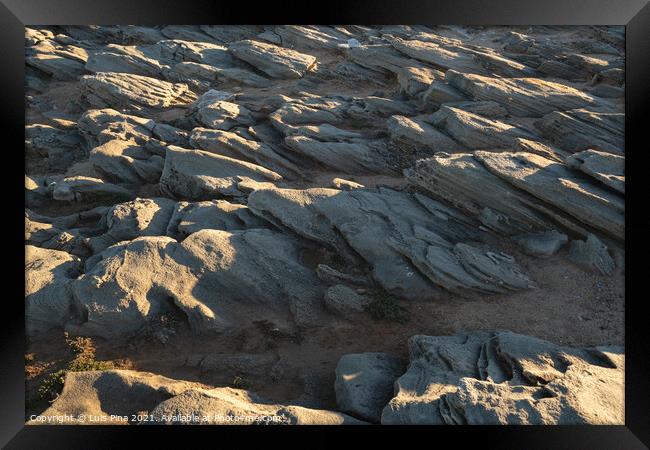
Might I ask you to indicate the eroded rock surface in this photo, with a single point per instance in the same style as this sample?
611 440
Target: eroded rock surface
505 378
527 191
217 278
414 244
225 406
291 178
48 299
277 62
197 174
164 400
111 89
364 383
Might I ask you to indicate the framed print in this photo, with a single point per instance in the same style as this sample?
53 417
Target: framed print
419 216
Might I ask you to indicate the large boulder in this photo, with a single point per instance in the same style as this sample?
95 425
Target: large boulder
218 279
48 299
503 378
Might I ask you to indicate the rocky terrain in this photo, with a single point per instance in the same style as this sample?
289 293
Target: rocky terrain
325 225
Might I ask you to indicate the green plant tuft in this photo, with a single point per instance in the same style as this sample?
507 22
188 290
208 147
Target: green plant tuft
51 386
387 308
84 359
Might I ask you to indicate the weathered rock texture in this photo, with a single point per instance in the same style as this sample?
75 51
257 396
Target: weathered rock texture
414 244
522 191
504 378
299 175
161 400
48 300
217 278
364 383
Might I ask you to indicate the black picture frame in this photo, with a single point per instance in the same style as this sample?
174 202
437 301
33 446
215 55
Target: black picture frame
633 14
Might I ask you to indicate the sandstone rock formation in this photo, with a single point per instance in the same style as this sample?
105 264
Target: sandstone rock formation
48 300
217 278
275 61
505 378
364 383
120 394
273 184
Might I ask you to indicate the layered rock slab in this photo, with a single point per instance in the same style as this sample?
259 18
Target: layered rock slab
416 132
413 244
556 184
607 168
474 131
277 62
232 145
353 156
527 192
526 97
503 378
582 129
200 175
111 89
